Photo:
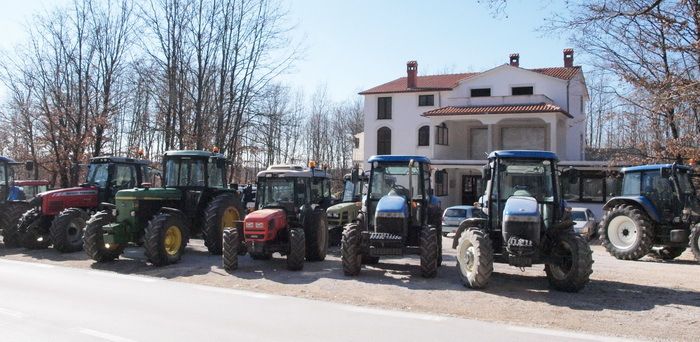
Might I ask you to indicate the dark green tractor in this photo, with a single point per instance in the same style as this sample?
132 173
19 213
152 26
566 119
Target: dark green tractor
194 200
344 212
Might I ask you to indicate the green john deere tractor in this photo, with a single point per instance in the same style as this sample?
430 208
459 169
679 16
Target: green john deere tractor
344 212
194 199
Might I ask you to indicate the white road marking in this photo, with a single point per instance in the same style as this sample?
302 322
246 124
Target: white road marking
397 314
105 336
24 263
12 313
565 334
232 291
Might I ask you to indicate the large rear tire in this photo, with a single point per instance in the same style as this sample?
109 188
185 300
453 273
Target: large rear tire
474 258
93 239
165 239
297 249
231 244
317 237
574 272
350 250
626 232
429 250
224 211
33 229
9 219
695 242
67 230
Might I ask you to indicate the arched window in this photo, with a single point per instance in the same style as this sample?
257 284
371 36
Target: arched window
384 140
424 136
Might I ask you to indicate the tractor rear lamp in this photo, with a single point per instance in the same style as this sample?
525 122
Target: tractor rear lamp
521 218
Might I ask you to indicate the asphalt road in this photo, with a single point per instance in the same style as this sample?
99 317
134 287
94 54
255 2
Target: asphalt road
40 302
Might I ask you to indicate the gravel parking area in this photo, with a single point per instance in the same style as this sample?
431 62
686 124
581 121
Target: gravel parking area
645 299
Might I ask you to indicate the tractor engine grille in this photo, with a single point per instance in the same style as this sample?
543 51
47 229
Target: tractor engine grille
390 225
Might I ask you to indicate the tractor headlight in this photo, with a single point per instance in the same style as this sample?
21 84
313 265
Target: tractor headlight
521 218
133 213
249 225
334 215
114 212
259 225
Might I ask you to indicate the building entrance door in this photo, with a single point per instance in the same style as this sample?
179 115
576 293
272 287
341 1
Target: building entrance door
470 189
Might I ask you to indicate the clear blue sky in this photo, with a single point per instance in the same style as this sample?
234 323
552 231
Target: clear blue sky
353 45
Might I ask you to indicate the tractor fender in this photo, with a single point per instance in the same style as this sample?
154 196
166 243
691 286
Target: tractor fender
466 224
106 206
638 201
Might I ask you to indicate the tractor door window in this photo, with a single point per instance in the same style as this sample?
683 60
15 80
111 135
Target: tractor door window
124 176
216 174
327 188
98 175
657 188
172 172
196 173
300 192
316 191
630 184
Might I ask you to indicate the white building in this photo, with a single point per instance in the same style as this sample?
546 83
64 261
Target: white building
457 119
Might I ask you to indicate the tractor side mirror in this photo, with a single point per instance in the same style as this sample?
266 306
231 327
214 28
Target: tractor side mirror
29 165
666 173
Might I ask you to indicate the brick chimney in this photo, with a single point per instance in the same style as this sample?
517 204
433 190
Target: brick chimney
568 58
515 59
412 73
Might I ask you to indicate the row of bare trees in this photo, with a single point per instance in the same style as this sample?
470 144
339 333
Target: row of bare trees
113 77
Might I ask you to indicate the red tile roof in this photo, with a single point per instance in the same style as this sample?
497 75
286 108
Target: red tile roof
449 81
499 109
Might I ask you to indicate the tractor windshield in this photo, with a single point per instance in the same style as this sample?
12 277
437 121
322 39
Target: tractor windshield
185 172
287 193
395 179
98 175
525 177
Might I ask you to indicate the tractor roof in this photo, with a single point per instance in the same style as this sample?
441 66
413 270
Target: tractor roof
653 167
123 160
7 160
292 171
527 154
398 159
193 153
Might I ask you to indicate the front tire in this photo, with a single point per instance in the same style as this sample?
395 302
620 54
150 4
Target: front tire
474 258
93 239
350 250
67 230
297 249
626 232
574 272
231 242
33 229
165 239
429 250
9 219
695 242
317 238
224 211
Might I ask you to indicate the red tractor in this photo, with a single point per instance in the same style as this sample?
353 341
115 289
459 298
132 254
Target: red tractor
59 216
290 218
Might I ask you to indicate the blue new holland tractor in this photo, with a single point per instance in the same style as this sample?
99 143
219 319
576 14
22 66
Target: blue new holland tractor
399 216
657 214
526 223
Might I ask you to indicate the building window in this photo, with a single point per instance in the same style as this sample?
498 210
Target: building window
424 136
522 90
441 183
384 141
356 142
441 134
426 100
481 92
384 108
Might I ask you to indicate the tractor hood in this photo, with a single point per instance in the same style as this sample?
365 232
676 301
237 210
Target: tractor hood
392 206
54 201
521 208
157 194
264 215
340 207
74 191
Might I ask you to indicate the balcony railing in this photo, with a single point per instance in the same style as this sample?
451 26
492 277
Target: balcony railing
508 100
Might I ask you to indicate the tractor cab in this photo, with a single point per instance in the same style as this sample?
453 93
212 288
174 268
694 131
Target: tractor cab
110 174
526 223
9 189
31 188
